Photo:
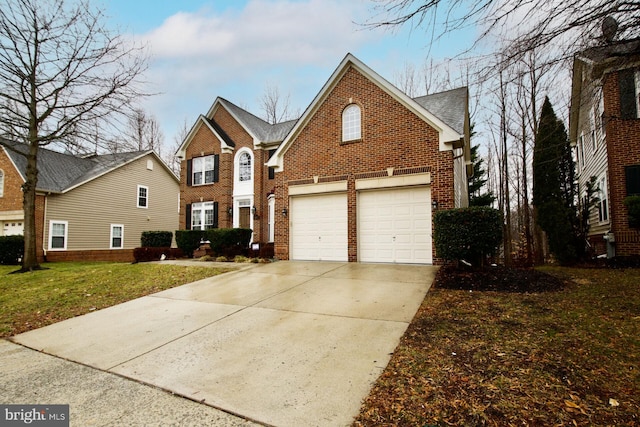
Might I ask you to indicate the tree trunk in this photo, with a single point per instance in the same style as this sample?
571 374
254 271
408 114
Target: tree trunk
30 259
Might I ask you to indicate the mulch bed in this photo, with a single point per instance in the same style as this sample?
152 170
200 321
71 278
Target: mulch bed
497 278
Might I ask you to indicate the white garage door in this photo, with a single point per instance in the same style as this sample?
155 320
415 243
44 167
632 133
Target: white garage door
318 227
395 225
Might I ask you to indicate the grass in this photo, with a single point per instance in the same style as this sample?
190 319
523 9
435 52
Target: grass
64 290
568 357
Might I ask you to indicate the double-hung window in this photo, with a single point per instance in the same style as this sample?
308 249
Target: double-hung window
203 170
58 235
117 236
143 196
202 216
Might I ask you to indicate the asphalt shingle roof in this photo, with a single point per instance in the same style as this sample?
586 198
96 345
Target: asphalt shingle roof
263 130
448 106
58 172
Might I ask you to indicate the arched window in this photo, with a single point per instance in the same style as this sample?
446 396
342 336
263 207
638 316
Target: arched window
244 167
1 183
351 123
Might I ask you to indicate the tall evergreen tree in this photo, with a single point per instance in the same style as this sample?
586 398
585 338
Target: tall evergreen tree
477 182
554 188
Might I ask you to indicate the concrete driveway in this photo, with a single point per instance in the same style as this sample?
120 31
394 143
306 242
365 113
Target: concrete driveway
285 344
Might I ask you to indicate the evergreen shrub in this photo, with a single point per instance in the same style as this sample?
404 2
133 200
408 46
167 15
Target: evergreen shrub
11 249
468 234
156 239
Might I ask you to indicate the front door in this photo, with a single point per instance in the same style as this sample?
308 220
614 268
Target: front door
244 217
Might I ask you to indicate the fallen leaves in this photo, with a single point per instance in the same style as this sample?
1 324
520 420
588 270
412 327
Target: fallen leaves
488 359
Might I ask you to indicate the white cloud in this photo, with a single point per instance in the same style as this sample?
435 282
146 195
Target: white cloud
198 56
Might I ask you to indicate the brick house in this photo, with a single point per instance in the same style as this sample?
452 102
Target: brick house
89 208
604 129
355 178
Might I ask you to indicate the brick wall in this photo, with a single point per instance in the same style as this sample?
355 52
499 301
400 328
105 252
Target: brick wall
121 255
392 136
205 143
11 199
623 149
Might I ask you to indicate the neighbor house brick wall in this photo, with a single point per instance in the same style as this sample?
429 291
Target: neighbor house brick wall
120 255
623 149
392 136
11 199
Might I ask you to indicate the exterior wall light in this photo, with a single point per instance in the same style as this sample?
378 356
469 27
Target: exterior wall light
284 212
230 211
434 205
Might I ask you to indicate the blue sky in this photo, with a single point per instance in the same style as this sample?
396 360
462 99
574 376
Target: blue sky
235 48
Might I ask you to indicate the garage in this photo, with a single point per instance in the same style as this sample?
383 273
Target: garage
394 225
318 227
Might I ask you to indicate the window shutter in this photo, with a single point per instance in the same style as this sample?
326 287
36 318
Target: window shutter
216 169
272 173
189 175
627 88
188 218
215 214
632 179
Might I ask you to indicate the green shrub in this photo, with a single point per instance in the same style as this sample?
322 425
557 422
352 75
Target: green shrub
156 239
468 233
11 249
229 241
633 207
189 240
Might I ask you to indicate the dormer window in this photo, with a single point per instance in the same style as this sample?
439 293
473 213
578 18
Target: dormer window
351 123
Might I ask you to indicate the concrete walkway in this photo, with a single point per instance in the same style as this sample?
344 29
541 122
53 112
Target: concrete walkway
285 344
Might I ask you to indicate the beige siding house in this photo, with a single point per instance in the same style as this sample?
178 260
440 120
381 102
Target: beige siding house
96 207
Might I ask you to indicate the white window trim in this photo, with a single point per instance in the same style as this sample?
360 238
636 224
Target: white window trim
202 170
602 190
637 81
111 236
138 197
201 208
351 125
271 203
66 234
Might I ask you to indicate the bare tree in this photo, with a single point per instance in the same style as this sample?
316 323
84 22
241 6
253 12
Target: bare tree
526 24
62 72
142 133
408 80
276 107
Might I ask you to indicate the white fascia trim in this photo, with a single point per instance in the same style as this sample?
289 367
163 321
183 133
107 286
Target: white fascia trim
326 187
394 181
224 147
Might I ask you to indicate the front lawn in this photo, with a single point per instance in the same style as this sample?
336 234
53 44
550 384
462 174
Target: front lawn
32 300
552 358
